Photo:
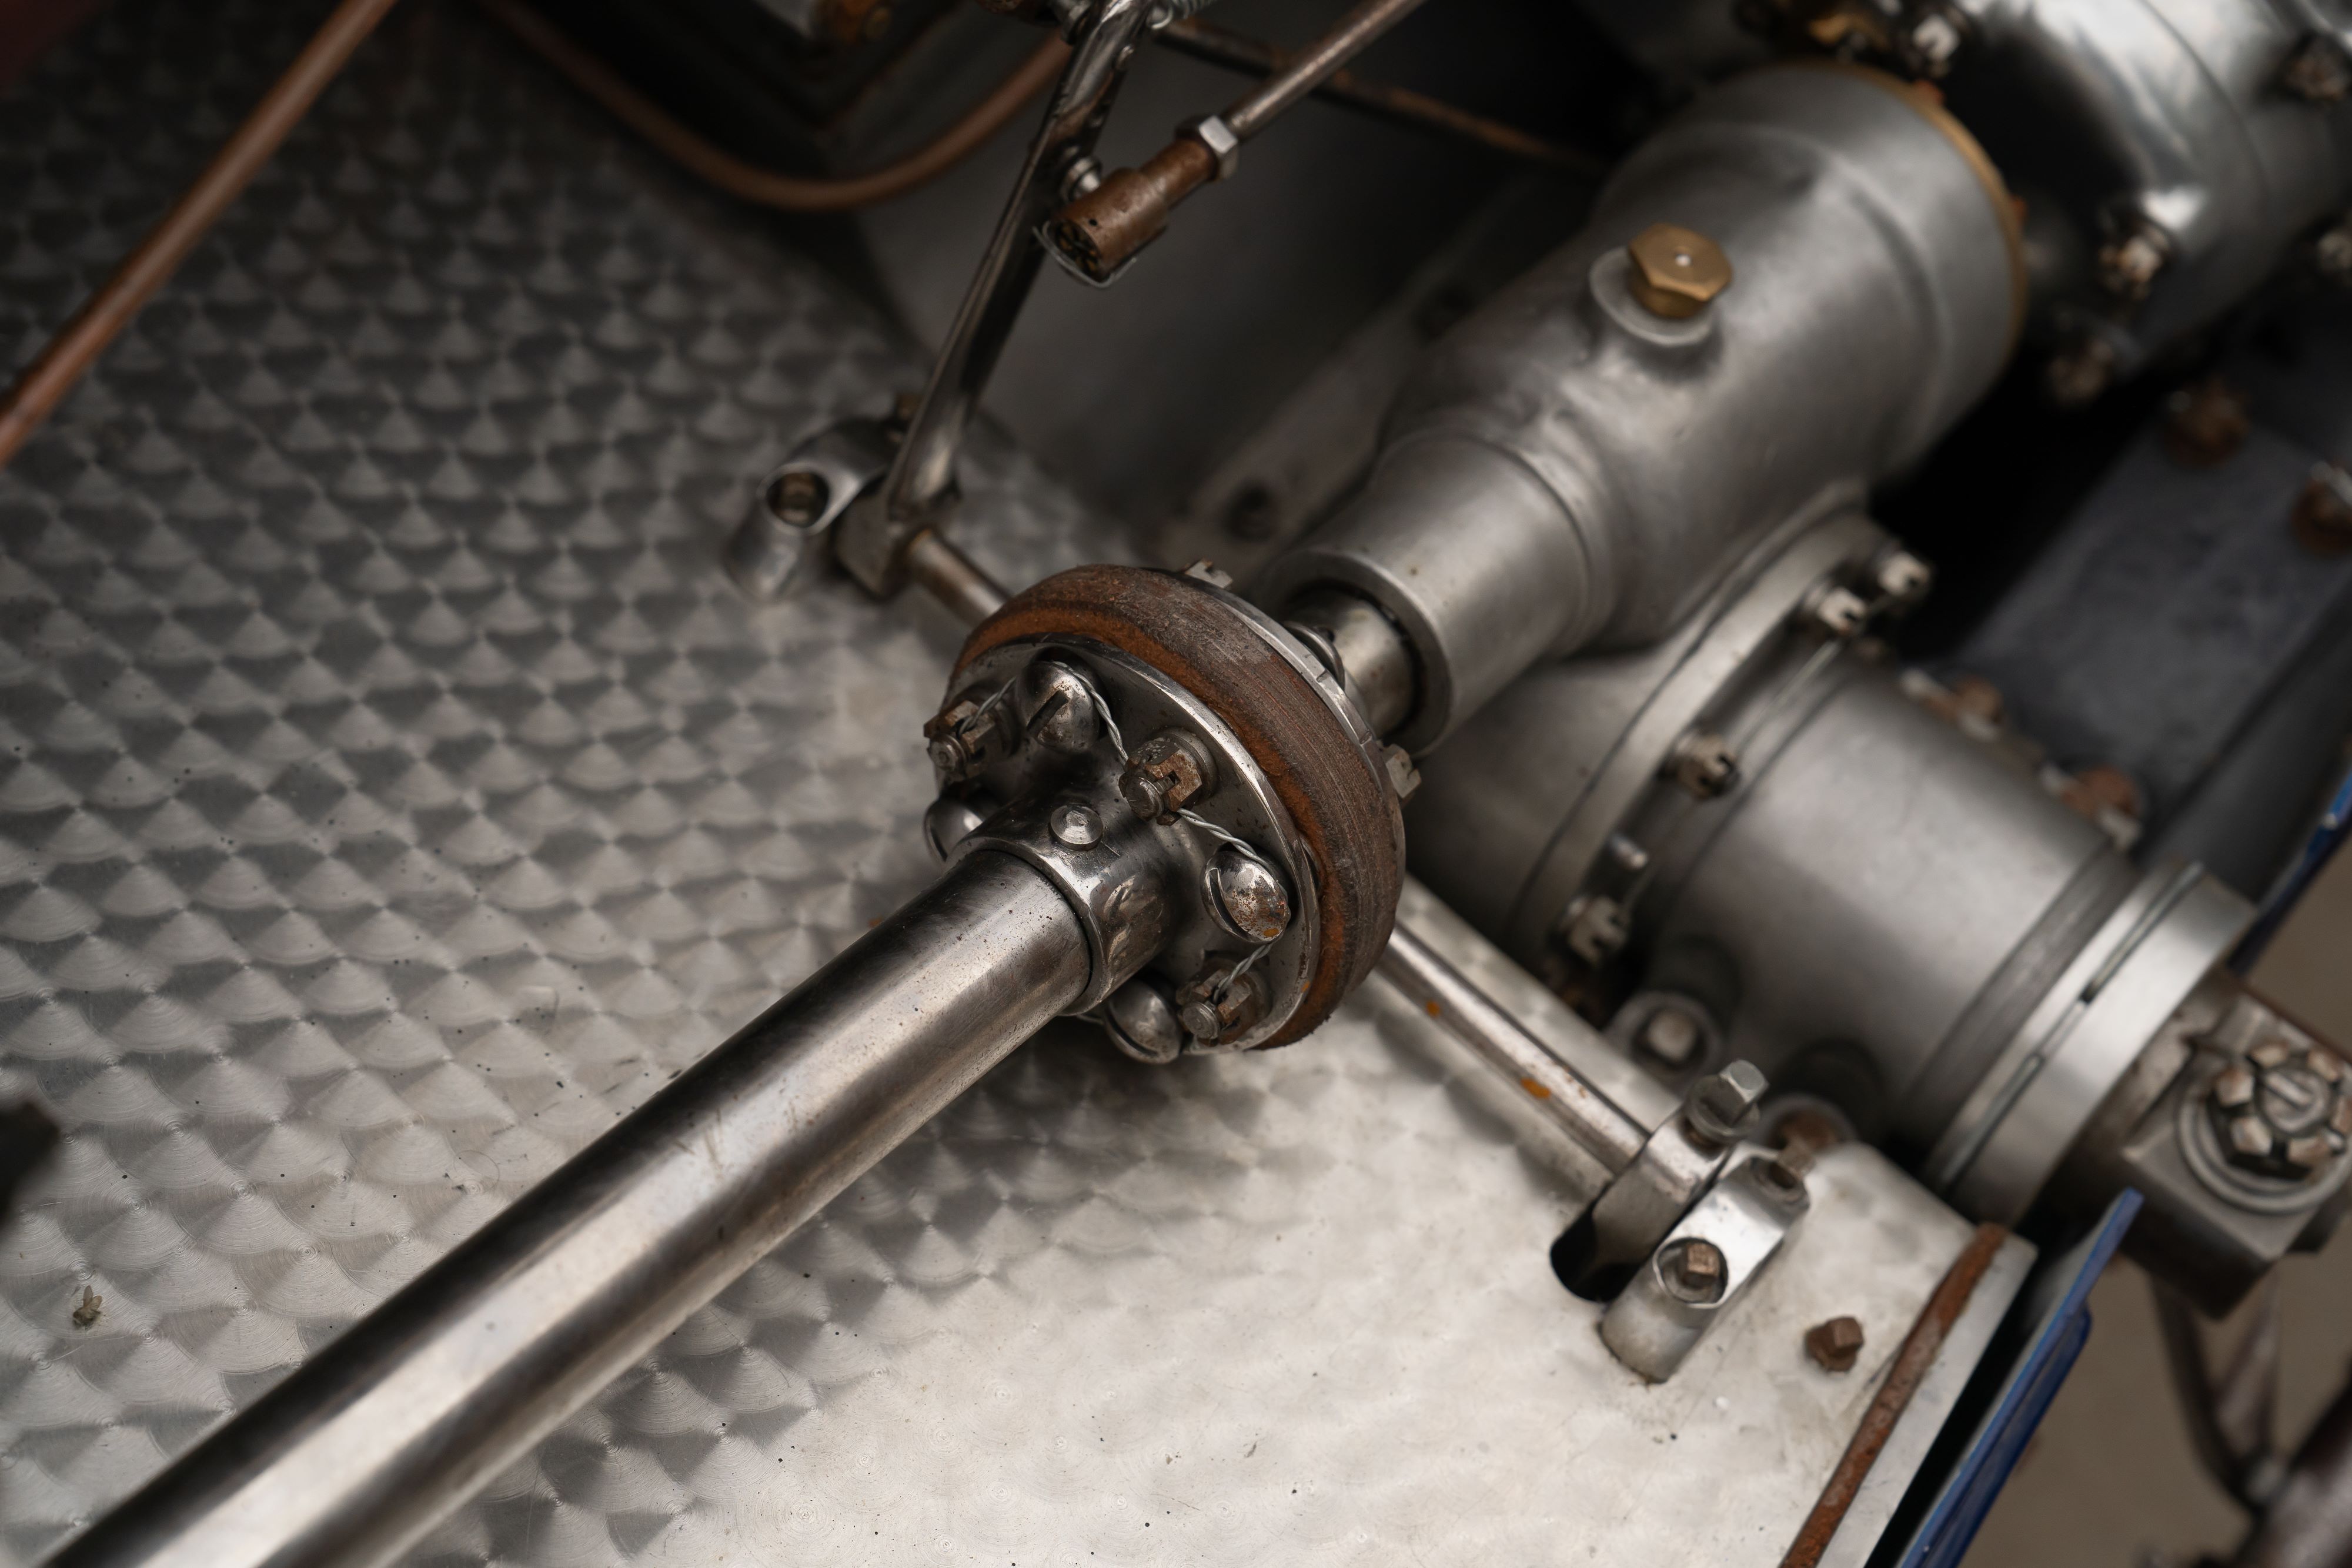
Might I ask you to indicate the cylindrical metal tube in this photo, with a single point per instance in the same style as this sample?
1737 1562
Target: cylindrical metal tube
386 1431
1588 1116
1311 66
953 578
1571 468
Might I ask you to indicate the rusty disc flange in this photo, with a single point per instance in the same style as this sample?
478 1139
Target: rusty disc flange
1206 642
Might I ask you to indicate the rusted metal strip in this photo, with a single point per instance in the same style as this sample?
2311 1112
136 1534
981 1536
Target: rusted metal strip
1902 1379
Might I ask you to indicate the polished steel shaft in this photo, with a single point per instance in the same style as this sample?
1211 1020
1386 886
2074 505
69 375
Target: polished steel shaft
358 1454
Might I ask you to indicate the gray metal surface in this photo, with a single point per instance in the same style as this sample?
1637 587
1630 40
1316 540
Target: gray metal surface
391 1427
1566 470
396 792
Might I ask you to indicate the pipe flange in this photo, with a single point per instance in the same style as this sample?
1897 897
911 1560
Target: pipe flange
1298 778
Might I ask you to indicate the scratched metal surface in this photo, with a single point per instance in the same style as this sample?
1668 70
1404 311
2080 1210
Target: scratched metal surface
394 794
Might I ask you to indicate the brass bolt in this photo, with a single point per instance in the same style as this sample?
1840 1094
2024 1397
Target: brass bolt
1676 271
1835 1345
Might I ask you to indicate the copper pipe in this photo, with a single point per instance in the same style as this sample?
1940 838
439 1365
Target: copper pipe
747 181
1910 1368
1218 46
148 267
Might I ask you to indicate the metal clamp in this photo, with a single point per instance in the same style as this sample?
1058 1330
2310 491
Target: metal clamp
1705 1264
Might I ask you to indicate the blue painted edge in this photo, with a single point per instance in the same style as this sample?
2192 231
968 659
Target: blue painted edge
2061 1330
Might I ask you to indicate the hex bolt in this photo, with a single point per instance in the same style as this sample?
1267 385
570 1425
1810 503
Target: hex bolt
2206 424
1722 1107
961 738
1596 929
1704 765
1840 612
797 497
1693 1269
2250 1136
1783 1176
1056 705
1834 1345
1213 1019
1671 1034
1074 825
1677 272
1246 896
1166 774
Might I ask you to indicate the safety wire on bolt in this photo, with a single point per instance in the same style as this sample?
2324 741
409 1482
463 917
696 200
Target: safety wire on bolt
1184 813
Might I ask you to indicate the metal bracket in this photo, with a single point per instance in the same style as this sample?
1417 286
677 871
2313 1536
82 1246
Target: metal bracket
1705 1264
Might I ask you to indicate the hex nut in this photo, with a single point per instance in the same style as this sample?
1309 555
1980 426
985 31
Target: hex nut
1677 272
1934 41
1167 773
2080 372
963 737
1722 1107
1839 612
1596 929
1834 1345
1902 578
1211 1018
2309 1153
2233 1088
1694 1270
1704 765
2249 1136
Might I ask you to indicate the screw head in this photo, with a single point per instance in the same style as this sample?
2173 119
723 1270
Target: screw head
1834 1345
1246 896
948 821
1074 825
1722 1107
1840 612
1142 1022
1677 272
1058 707
1694 1270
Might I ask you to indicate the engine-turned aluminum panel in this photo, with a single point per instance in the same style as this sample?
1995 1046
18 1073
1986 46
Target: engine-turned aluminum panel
396 792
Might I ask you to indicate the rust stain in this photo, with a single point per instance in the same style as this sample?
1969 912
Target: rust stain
1434 1008
1534 1088
1911 1363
